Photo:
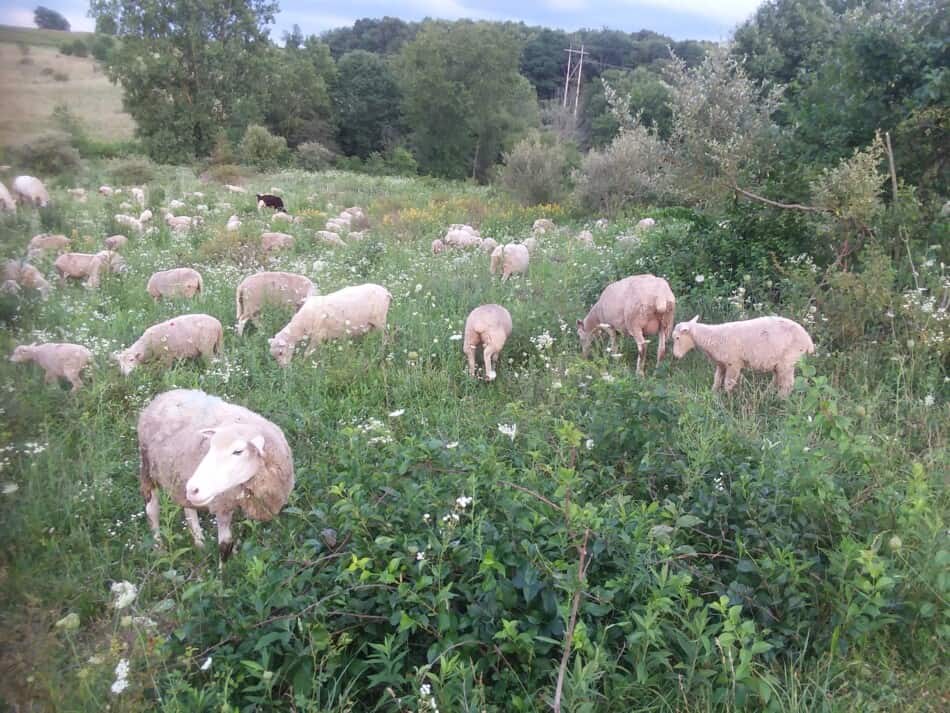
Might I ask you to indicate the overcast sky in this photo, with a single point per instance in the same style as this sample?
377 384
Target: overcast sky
680 19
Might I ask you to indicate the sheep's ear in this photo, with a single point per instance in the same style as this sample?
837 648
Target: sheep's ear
258 443
207 432
580 323
694 320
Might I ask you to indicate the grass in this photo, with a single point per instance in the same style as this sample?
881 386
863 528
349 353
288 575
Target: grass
36 37
372 474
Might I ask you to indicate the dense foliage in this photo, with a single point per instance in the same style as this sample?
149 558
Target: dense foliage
47 19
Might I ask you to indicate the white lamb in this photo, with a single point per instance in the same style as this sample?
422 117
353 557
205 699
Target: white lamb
59 361
488 245
330 238
350 312
46 243
145 216
6 200
106 191
88 266
542 226
129 221
276 241
531 244
637 306
282 217
139 195
185 337
490 327
29 189
763 344
115 242
510 259
177 282
646 224
176 204
181 223
437 246
275 288
586 238
234 224
19 274
208 454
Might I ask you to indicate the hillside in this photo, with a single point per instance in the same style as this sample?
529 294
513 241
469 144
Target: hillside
35 77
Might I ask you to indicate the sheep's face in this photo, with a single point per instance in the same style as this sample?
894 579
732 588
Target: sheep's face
585 337
682 340
127 361
20 354
234 457
281 350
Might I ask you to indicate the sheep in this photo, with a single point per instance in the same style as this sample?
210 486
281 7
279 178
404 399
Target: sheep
234 224
276 241
208 454
145 216
41 244
89 266
184 337
181 223
29 189
235 189
458 238
176 204
464 227
177 282
637 305
78 193
129 221
488 245
115 242
586 238
357 218
267 200
58 360
510 259
646 224
763 344
106 191
542 226
531 244
337 225
356 235
490 327
601 224
283 217
282 288
352 311
18 273
437 246
6 200
330 238
139 195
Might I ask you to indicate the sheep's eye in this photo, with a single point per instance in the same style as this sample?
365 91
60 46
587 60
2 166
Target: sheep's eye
237 453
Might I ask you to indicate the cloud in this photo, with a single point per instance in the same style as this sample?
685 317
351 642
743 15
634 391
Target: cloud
727 11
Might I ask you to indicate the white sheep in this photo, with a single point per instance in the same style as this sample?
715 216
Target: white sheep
6 200
177 282
763 344
281 216
43 243
29 189
129 221
488 245
276 241
208 454
277 288
184 337
510 259
437 246
106 191
145 216
352 311
88 266
176 204
115 242
181 223
235 189
490 327
358 219
58 360
637 306
21 274
234 224
586 237
462 236
542 226
531 244
646 224
330 238
139 195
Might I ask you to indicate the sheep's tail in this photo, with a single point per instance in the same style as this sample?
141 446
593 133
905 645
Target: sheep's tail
218 343
201 284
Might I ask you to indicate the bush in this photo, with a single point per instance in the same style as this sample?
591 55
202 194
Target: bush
223 151
633 169
101 47
61 76
133 170
536 170
225 173
314 156
401 162
47 155
262 149
76 48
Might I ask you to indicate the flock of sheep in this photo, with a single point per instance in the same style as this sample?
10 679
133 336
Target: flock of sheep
212 455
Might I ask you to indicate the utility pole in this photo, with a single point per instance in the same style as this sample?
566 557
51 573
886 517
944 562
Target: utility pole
575 71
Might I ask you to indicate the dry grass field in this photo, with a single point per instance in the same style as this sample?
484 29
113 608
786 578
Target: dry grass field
33 83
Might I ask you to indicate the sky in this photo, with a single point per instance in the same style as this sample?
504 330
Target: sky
680 19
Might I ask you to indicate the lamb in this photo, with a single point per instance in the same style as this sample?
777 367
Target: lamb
235 189
6 200
330 238
763 344
208 454
58 360
269 201
542 226
139 195
177 282
337 225
637 305
43 243
352 311
437 246
185 337
276 241
145 216
357 218
281 216
458 238
29 189
531 244
181 223
176 204
488 245
106 191
234 224
281 288
510 259
88 266
115 242
19 273
129 221
490 327
586 237
646 224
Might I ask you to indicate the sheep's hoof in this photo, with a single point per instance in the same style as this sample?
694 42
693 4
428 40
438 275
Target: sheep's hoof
225 549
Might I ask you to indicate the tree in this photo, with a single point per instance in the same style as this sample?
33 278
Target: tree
47 19
294 39
189 68
465 102
367 100
646 94
543 61
385 36
298 105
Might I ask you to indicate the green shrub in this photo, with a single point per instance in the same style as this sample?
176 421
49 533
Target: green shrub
48 155
223 151
101 47
400 162
76 48
134 170
314 156
262 149
537 170
225 173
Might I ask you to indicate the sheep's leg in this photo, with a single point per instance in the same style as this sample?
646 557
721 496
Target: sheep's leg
641 349
191 517
717 379
661 347
49 377
487 355
225 541
731 378
239 328
784 381
151 510
612 336
75 381
470 353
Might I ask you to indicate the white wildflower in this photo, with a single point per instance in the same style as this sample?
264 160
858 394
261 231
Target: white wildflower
397 413
426 517
125 593
453 444
700 279
929 400
121 677
510 430
9 488
463 501
589 444
207 664
420 556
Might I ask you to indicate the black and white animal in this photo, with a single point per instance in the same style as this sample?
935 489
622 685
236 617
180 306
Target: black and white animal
271 201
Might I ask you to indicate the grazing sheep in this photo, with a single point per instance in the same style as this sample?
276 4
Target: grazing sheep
145 216
646 224
44 243
278 288
464 227
330 238
115 242
356 218
129 221
139 195
531 244
88 266
106 191
177 282
19 273
208 454
352 311
185 337
601 224
490 327
234 224
235 189
276 241
181 223
6 200
510 259
59 361
28 189
488 245
268 200
459 238
763 344
337 225
176 204
437 246
542 226
638 305
586 237
281 216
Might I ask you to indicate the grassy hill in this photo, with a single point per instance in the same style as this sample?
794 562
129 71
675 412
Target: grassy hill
35 77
